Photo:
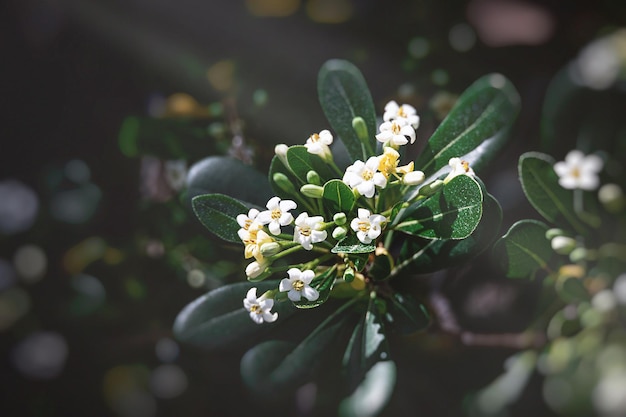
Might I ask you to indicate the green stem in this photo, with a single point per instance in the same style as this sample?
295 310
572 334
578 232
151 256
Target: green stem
332 317
395 271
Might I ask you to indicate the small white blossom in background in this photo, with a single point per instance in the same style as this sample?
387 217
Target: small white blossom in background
579 171
395 133
367 226
247 222
365 176
403 114
459 167
298 285
307 230
176 173
259 308
277 214
318 143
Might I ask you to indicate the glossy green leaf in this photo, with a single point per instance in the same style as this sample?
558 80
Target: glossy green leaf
281 366
218 213
301 162
338 196
344 95
541 186
224 175
323 283
381 267
218 319
373 393
476 127
424 256
351 244
451 213
406 315
524 248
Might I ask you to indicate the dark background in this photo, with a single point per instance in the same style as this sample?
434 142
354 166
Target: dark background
71 71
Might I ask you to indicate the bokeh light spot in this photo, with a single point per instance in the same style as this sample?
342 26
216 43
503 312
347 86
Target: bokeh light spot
168 381
41 355
7 275
14 303
272 8
329 11
196 278
462 37
18 207
30 263
419 47
221 75
167 350
78 171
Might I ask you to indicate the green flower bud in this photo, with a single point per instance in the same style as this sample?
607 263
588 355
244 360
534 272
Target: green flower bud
612 197
270 249
563 245
283 183
348 274
313 177
359 126
431 188
340 219
554 232
311 190
339 233
578 254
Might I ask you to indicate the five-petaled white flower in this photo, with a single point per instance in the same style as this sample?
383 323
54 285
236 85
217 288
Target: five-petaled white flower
403 114
395 133
248 221
307 230
277 214
298 285
253 240
366 226
318 143
579 171
365 176
259 308
459 167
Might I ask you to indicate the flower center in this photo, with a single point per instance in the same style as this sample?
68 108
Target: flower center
576 172
367 175
298 285
364 226
305 231
315 137
247 224
395 128
465 165
276 213
255 308
401 112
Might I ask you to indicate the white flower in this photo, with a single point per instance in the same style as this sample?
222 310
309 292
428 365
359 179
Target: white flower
277 214
579 171
259 308
318 143
253 240
298 285
364 176
307 230
176 173
247 222
404 114
459 167
395 133
366 226
254 269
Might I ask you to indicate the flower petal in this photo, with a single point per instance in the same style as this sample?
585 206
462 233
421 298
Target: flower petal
310 294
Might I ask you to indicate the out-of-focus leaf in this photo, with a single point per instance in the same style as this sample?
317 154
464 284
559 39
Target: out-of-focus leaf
524 248
229 176
344 95
219 320
405 314
218 213
374 392
476 127
451 213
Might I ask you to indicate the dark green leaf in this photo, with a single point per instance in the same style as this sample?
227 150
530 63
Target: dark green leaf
344 95
541 186
373 393
224 175
218 319
381 267
351 244
475 128
339 196
524 248
301 162
451 213
406 315
324 285
218 213
429 256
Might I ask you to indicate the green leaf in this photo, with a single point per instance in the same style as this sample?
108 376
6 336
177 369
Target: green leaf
373 393
224 175
218 213
451 213
351 244
541 186
430 256
381 267
281 366
323 283
476 127
301 162
524 248
344 95
218 319
406 315
339 196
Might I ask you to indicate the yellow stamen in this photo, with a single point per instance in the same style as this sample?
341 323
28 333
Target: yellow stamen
364 226
367 175
298 285
255 308
305 231
276 213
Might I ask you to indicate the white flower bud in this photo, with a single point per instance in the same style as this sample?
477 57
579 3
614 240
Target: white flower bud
270 248
283 183
254 270
281 150
413 178
612 197
432 188
313 191
340 219
563 245
339 233
360 128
